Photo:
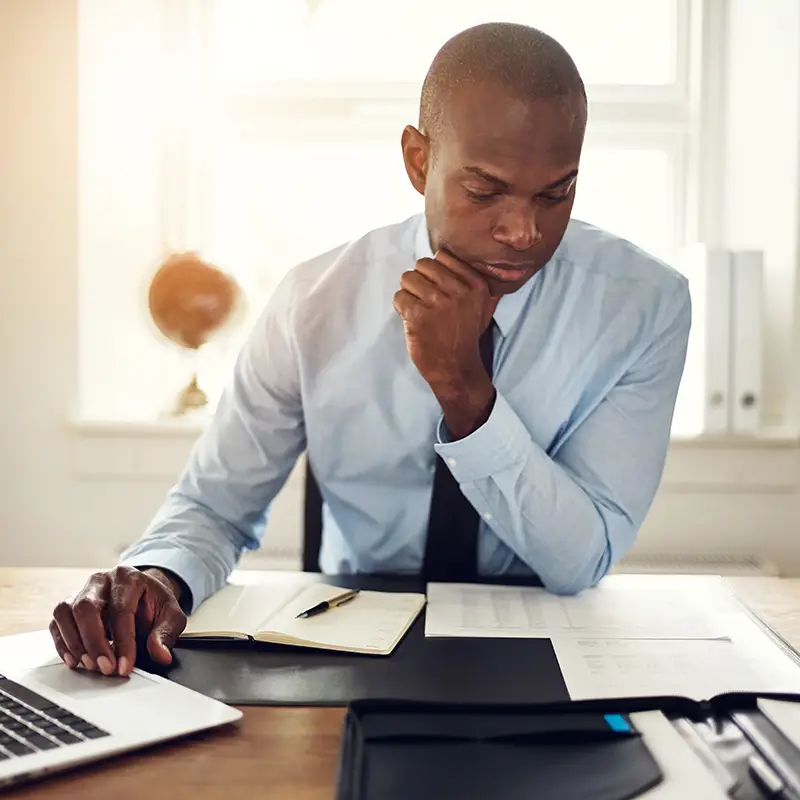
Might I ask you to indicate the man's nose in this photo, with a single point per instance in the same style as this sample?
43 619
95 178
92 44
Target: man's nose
517 228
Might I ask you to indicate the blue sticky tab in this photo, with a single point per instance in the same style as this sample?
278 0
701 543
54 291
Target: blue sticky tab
617 723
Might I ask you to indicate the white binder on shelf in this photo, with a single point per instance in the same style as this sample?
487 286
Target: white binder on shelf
707 382
747 398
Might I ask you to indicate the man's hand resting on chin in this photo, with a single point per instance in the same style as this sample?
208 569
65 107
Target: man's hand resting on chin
446 306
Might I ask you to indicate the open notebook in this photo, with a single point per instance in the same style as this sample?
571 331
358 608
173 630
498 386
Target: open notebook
373 623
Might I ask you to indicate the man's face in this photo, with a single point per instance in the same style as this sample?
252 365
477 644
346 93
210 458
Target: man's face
499 180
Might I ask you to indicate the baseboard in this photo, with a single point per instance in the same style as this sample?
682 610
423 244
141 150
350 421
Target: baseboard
728 565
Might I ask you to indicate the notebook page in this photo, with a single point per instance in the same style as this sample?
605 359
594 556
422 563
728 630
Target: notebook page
372 622
239 609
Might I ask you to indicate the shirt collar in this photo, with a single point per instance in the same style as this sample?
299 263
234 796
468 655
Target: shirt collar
510 306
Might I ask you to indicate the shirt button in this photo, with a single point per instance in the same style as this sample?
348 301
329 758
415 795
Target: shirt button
487 516
451 462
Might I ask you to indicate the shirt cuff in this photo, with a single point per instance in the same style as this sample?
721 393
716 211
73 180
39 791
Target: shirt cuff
501 441
188 567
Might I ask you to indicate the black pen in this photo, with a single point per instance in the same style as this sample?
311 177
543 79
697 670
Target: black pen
326 604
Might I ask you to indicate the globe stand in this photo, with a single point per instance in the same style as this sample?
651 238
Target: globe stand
190 399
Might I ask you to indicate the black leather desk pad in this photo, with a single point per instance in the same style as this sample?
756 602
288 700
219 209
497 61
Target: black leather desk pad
450 670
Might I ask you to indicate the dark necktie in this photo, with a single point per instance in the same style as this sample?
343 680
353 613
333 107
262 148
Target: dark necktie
451 550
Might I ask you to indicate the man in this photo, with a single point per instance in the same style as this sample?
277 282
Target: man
491 346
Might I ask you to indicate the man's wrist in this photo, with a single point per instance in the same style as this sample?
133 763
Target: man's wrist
169 579
466 403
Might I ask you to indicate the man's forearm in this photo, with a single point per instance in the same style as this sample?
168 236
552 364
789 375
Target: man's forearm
533 505
187 539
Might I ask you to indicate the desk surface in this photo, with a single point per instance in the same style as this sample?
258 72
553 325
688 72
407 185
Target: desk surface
274 752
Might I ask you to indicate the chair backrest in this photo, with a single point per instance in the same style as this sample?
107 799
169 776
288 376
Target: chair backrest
312 522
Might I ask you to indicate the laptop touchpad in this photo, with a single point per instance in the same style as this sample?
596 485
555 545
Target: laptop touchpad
80 683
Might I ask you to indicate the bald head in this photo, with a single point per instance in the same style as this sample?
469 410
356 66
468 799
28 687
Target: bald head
524 61
498 149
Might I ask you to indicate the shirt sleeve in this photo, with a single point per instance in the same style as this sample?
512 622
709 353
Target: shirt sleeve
220 502
569 515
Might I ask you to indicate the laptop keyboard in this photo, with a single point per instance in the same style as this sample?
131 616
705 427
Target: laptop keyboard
30 723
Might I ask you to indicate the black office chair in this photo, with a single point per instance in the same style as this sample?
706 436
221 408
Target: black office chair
312 522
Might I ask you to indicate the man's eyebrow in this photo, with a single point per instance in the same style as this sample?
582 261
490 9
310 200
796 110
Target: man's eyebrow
561 181
487 176
499 182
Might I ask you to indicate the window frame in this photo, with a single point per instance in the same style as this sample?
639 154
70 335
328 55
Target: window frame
665 114
669 117
690 114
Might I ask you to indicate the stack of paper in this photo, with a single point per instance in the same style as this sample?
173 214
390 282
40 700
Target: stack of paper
630 636
615 609
693 668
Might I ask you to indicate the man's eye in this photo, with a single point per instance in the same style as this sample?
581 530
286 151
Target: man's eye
553 199
480 197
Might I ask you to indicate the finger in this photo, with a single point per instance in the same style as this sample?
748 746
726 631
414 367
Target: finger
169 625
405 303
421 287
68 630
88 609
61 646
125 596
472 277
451 281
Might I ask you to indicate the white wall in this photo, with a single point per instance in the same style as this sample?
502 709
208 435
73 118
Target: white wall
71 495
38 269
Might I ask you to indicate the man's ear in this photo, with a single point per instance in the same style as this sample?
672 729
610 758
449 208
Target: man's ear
416 155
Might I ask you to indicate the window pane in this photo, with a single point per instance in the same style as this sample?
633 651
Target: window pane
610 195
275 203
612 41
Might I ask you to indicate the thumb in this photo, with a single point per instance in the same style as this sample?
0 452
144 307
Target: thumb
167 627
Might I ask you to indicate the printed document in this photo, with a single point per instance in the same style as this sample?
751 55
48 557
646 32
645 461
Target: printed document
594 668
616 609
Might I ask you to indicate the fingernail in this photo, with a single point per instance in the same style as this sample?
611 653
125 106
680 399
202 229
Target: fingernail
69 660
124 666
105 665
87 662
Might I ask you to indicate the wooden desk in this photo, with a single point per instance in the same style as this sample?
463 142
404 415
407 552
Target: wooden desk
273 752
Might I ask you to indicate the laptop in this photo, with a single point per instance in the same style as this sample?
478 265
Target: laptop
53 718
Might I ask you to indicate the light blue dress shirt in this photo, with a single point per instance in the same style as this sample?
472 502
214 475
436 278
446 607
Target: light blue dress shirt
588 358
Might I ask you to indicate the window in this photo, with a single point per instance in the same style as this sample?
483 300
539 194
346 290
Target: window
618 42
284 117
305 100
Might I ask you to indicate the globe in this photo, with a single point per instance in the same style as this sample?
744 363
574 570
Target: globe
192 302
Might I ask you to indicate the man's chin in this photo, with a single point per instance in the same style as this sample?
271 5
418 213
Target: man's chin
498 288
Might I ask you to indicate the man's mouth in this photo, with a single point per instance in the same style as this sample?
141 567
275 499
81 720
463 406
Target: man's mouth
507 273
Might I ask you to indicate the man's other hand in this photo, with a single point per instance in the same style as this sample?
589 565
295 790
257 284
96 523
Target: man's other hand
99 627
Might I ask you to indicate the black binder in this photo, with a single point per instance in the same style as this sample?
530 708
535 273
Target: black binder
395 750
399 751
